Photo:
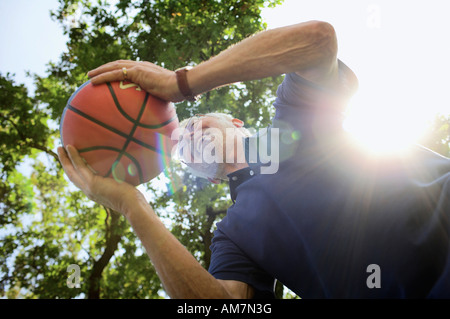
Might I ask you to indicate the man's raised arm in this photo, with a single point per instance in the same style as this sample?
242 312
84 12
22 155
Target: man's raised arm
308 48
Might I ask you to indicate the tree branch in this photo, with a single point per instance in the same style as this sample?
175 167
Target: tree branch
44 149
32 145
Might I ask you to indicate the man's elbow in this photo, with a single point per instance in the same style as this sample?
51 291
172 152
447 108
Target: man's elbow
324 40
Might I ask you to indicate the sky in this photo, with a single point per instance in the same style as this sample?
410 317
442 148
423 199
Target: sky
30 39
399 50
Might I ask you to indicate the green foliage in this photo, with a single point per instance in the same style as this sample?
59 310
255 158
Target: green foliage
23 125
47 225
34 247
16 195
437 137
169 33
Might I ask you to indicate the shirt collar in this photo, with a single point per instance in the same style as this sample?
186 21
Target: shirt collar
240 176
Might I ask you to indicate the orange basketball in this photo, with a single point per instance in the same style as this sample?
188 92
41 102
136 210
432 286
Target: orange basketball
120 130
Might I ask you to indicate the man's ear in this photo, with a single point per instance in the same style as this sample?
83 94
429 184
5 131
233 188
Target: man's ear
238 123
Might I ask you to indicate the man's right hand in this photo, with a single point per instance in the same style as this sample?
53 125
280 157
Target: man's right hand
150 77
121 197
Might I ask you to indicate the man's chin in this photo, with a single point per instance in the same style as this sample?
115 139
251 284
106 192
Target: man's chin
214 173
214 180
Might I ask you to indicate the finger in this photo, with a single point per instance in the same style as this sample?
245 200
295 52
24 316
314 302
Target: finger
111 76
108 67
69 169
111 66
78 163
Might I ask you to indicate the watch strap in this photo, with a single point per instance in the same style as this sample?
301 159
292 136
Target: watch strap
183 84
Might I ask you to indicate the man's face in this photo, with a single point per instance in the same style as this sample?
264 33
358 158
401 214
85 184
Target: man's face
203 146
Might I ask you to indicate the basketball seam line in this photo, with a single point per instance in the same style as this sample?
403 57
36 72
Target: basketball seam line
129 118
114 130
118 150
130 135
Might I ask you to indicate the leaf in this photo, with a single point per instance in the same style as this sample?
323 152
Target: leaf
47 224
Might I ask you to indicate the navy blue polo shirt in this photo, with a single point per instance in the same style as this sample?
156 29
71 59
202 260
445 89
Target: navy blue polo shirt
331 211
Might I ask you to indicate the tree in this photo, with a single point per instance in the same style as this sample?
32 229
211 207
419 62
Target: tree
24 129
47 224
437 137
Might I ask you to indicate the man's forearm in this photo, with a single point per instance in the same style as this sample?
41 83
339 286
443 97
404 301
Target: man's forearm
180 273
309 45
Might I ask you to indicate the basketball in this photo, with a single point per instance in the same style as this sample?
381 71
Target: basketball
120 130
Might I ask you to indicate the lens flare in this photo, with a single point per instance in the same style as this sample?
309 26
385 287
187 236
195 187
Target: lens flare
172 181
118 172
132 169
290 136
295 135
385 129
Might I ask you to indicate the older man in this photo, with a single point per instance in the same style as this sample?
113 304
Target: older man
331 222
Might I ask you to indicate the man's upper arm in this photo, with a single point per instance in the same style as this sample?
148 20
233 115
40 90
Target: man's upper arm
237 273
238 289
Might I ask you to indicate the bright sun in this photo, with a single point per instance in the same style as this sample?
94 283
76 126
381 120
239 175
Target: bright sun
385 127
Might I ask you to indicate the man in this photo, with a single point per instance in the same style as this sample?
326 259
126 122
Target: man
332 222
212 145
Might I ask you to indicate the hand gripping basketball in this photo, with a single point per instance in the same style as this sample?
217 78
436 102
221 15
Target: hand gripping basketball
120 130
105 191
152 78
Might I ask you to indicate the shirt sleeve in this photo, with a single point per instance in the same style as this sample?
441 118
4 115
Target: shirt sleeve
229 262
298 92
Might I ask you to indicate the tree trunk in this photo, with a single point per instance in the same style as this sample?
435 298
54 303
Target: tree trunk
113 236
207 233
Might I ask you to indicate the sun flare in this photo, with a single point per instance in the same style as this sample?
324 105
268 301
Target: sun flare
385 127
